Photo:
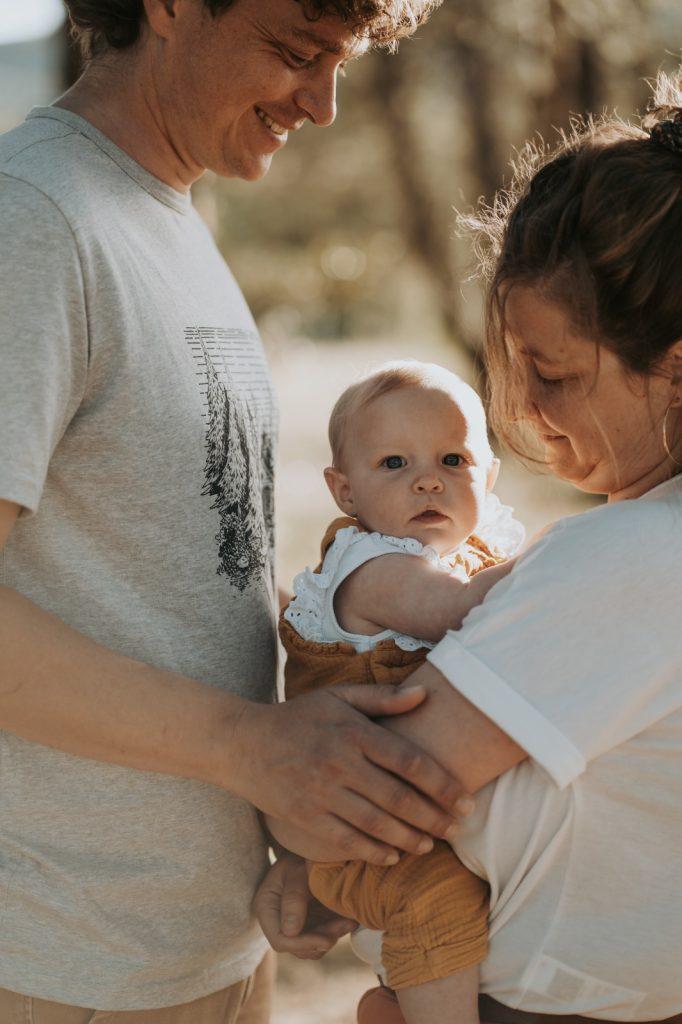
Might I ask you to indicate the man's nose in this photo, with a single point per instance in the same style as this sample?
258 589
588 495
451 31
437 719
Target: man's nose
317 98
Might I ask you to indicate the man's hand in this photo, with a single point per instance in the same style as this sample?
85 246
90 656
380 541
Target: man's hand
284 906
320 763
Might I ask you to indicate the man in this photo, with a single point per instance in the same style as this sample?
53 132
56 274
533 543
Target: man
137 640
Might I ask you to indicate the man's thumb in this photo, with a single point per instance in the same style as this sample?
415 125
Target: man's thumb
382 700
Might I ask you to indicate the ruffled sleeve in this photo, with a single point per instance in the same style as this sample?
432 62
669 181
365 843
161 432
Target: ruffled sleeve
499 530
311 611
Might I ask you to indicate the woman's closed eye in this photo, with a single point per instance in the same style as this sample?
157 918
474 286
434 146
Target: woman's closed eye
551 382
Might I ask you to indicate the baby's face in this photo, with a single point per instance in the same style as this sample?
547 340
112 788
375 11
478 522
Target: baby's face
417 463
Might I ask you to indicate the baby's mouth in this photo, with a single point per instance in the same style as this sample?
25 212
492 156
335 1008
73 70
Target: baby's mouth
429 515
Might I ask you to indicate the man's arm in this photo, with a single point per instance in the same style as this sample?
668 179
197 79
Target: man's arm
318 762
410 595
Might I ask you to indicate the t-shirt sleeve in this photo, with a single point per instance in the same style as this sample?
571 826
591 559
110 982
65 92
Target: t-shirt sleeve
576 651
43 337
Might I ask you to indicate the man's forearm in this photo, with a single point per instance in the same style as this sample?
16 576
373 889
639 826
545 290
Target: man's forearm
63 690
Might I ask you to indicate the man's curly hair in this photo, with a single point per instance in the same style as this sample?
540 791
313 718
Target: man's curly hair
102 25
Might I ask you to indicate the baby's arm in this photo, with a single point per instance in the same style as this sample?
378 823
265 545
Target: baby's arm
410 595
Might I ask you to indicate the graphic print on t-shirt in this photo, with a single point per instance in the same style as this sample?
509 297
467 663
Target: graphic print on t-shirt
239 471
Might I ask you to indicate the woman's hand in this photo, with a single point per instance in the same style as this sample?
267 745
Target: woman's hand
319 762
284 907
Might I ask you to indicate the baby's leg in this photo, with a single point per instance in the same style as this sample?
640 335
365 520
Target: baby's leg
451 1000
433 915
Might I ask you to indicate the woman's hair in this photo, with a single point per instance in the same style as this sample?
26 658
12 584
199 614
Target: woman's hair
101 25
395 376
595 227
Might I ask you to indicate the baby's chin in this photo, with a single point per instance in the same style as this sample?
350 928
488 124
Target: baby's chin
443 536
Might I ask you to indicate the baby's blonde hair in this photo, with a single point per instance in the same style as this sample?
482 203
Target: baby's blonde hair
394 376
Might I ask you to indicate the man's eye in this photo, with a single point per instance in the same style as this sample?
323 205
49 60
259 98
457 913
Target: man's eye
393 462
297 59
452 460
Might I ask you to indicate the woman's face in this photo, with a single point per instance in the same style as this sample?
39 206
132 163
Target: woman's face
601 427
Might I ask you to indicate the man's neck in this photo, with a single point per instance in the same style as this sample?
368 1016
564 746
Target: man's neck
116 95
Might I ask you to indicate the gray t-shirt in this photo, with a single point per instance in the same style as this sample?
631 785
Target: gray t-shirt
137 428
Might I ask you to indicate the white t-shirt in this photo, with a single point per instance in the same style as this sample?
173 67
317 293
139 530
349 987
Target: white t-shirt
577 655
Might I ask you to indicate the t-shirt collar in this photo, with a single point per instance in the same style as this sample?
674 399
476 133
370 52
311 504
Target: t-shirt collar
180 201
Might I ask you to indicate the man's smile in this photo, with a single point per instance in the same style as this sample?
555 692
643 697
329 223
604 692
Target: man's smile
280 130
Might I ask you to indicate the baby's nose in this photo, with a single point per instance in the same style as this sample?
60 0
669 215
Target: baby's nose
428 485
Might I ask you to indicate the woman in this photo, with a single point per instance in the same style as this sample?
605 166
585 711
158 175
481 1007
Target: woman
559 700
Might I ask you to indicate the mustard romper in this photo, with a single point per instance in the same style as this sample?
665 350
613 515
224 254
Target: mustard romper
432 911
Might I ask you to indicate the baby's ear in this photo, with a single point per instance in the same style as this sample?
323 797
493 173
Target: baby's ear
338 484
492 474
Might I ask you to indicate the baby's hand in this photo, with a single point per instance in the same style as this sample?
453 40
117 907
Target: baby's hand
285 907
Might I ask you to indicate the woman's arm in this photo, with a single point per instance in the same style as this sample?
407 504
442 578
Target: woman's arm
453 731
448 728
410 595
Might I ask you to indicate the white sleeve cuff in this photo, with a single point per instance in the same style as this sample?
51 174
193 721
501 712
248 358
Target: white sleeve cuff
527 726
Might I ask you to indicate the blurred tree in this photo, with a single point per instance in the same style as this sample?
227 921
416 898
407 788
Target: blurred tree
352 231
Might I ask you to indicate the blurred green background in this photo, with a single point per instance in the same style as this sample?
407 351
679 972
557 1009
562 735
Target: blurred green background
346 251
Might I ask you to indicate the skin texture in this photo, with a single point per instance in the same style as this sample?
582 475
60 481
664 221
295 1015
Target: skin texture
186 99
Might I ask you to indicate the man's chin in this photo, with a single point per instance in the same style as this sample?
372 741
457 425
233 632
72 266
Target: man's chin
246 169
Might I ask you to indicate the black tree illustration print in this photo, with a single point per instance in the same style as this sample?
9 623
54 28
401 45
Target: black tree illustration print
268 492
233 481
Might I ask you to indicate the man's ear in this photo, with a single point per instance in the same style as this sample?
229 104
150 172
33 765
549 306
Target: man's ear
492 474
338 484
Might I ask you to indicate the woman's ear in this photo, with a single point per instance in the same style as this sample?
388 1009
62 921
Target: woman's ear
674 360
338 484
160 15
492 474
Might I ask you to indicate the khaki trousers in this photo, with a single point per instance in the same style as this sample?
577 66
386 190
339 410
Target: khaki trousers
247 1002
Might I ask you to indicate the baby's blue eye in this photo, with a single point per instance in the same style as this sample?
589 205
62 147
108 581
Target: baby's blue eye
451 459
393 462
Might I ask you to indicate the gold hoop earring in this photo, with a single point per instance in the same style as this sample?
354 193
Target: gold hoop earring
666 445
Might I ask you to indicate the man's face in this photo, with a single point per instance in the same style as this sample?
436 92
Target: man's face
231 88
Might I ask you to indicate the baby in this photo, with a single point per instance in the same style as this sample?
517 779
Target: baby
422 541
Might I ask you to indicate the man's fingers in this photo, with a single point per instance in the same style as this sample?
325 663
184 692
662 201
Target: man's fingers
370 817
375 701
409 762
351 843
